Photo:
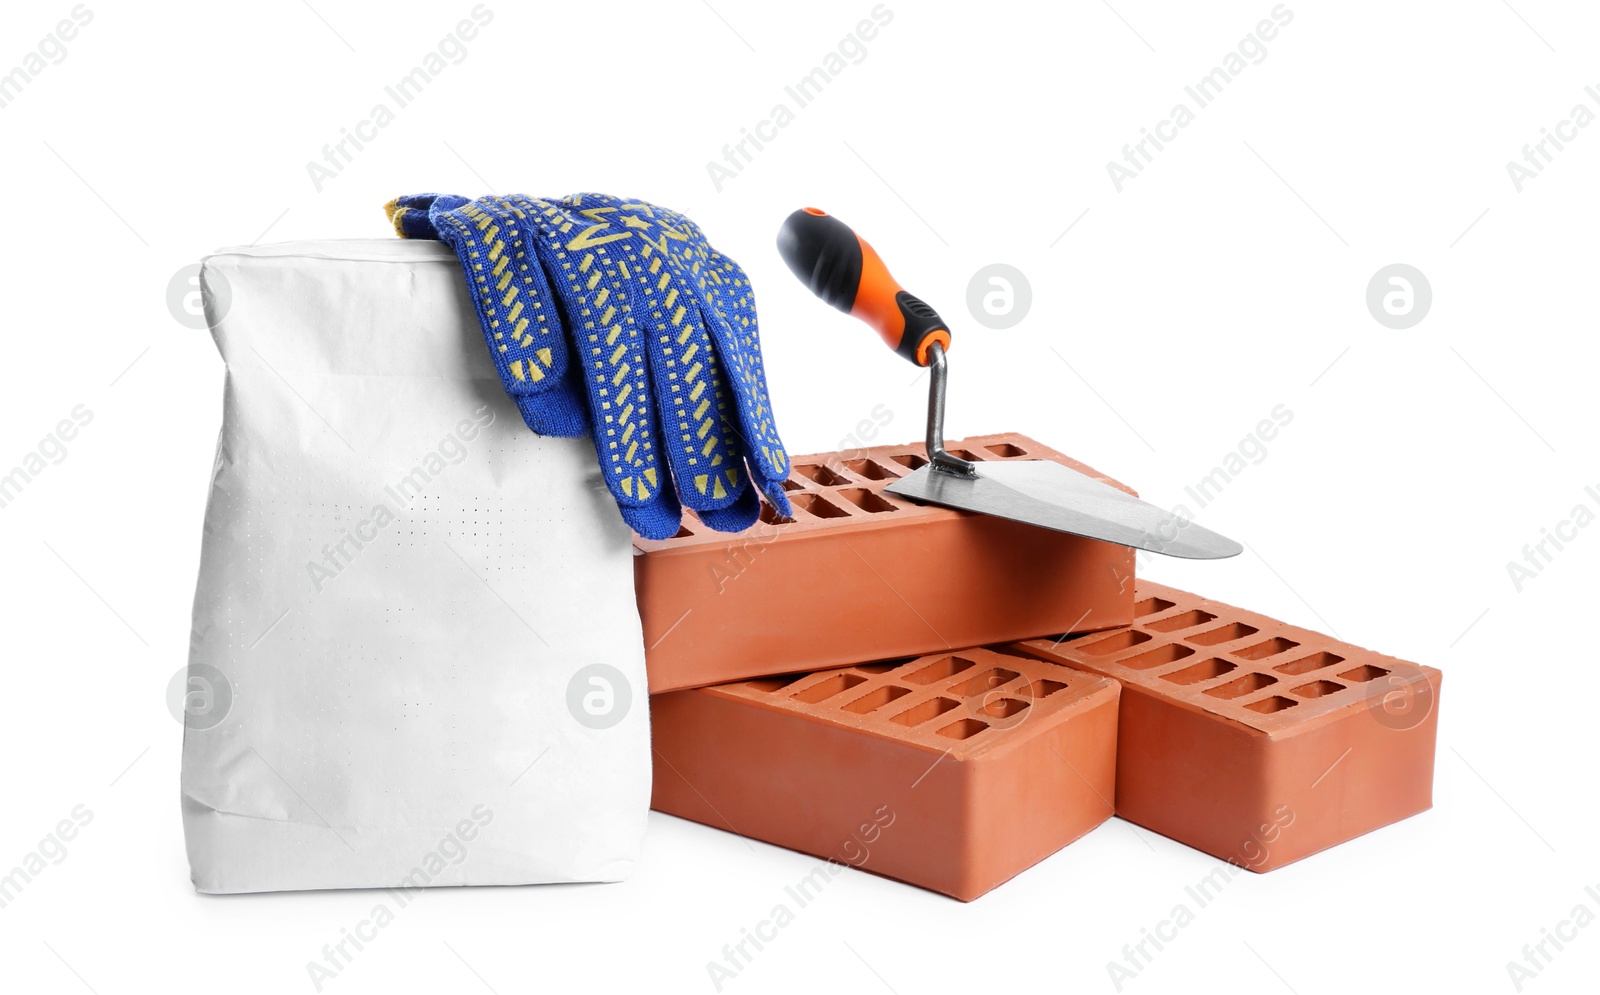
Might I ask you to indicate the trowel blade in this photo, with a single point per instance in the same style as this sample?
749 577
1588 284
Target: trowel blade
1053 496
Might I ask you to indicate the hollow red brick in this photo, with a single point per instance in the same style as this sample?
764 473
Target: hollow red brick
861 574
953 772
1256 741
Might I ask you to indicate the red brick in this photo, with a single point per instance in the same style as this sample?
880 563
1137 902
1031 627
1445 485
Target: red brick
1256 741
861 574
951 772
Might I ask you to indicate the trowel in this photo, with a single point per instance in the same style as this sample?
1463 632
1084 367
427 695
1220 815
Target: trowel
842 269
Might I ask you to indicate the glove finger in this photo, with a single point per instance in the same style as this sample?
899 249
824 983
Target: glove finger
731 299
593 287
736 517
408 214
659 517
706 455
703 434
775 493
692 398
728 310
515 309
739 353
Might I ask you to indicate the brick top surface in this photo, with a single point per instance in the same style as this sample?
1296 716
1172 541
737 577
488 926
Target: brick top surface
845 490
964 704
1246 667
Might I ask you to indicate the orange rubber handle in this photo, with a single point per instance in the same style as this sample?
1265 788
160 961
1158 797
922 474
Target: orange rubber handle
841 268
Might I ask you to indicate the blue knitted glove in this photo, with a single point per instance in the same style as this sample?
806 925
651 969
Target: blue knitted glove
617 317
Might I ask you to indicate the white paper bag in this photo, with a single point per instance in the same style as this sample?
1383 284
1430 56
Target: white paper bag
416 656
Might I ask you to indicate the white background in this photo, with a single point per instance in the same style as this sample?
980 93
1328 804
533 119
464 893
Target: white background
1226 279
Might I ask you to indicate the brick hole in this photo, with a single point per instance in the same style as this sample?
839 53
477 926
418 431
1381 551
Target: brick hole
985 682
777 682
1205 670
911 461
791 485
876 699
1316 689
967 455
1224 634
1003 708
682 533
773 516
819 506
1307 664
965 729
1152 606
1363 674
1271 647
870 469
940 669
1186 620
823 690
1170 653
1006 450
1276 703
1241 687
918 714
866 500
1044 688
817 473
1122 640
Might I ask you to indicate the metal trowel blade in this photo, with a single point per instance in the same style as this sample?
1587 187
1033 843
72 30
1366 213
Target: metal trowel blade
1052 496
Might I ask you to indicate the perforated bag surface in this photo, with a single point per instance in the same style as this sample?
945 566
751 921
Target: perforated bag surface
416 657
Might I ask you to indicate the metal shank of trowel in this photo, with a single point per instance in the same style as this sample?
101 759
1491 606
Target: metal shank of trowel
941 458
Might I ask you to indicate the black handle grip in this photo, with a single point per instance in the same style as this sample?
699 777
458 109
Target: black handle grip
840 267
824 254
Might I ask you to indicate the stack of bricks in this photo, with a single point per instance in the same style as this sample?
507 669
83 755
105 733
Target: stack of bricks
810 688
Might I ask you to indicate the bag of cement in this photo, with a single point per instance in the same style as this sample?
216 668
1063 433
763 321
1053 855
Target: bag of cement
416 658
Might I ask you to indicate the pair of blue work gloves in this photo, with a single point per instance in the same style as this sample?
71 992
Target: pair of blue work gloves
617 317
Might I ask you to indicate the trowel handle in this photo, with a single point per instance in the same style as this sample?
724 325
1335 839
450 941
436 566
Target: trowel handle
842 269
